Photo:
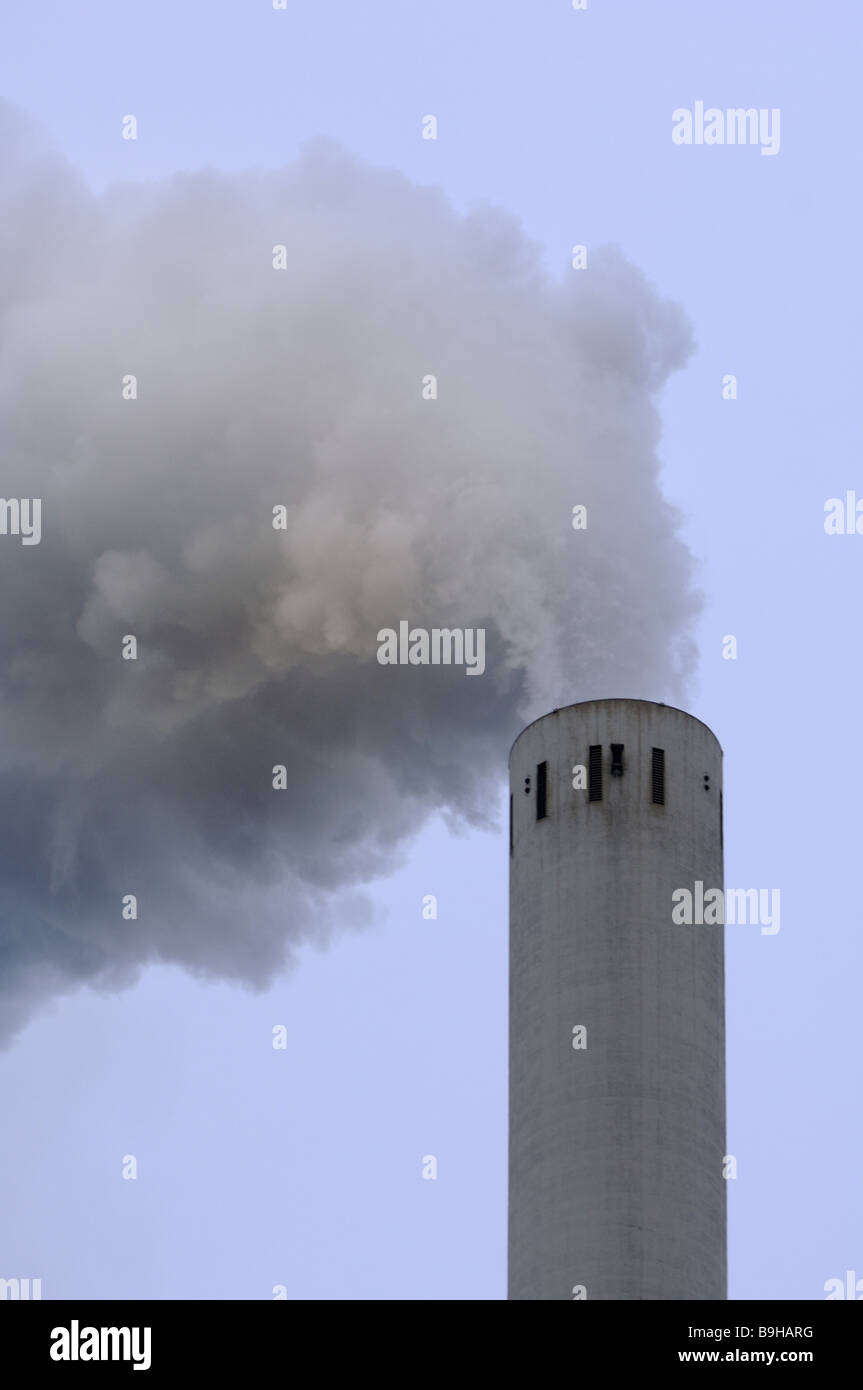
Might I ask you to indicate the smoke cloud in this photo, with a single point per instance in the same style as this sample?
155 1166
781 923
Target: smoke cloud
299 387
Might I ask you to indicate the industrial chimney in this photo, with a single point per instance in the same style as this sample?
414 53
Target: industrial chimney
617 1028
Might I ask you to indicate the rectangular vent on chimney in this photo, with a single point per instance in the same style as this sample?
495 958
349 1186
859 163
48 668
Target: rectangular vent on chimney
594 775
657 773
541 788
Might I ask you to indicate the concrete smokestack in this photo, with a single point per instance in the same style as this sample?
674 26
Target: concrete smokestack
617 1027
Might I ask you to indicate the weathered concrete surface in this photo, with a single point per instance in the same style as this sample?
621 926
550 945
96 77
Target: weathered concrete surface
616 1151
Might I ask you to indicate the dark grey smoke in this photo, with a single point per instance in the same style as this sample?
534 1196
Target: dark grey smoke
258 387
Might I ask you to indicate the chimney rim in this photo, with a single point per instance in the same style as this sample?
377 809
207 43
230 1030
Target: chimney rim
614 700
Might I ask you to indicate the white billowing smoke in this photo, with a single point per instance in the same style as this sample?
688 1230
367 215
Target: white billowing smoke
300 387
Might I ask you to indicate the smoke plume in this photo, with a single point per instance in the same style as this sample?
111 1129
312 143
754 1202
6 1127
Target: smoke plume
300 387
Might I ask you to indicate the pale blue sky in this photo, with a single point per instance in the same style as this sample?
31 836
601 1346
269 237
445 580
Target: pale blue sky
302 1167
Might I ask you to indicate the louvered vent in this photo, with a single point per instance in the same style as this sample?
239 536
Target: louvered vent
594 775
657 776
